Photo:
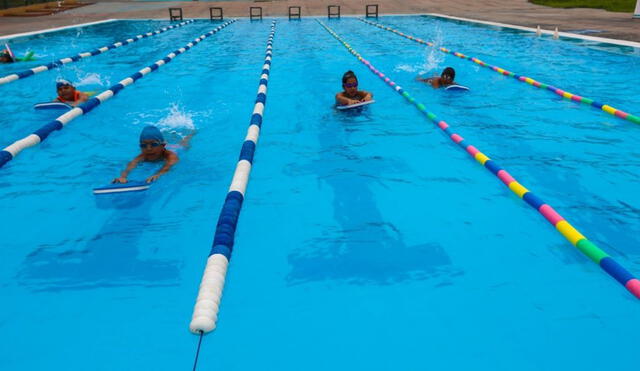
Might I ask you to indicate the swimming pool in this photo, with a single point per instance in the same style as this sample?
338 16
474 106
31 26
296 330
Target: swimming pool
365 242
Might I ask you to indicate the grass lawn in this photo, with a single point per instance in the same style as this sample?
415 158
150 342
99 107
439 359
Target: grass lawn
626 6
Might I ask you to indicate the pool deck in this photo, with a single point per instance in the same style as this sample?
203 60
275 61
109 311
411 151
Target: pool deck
515 12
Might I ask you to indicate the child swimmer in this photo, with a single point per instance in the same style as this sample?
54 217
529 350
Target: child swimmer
153 149
351 94
67 93
445 79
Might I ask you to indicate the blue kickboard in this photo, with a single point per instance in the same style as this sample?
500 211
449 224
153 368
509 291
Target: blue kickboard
120 188
456 88
52 106
355 105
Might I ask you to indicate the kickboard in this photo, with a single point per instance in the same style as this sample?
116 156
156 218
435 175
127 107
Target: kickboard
355 105
120 188
456 88
52 106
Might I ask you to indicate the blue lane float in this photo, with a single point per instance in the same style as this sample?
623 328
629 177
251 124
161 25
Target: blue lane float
56 64
8 153
205 311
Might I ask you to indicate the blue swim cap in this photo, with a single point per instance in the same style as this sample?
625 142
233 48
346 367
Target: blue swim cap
151 133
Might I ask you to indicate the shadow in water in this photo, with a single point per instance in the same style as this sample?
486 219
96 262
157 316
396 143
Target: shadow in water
363 248
109 258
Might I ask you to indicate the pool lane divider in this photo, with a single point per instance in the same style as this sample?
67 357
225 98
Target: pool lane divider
56 64
607 263
38 136
205 311
528 80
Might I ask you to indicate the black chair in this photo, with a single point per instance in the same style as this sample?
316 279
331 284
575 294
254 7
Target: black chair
215 17
373 13
335 13
175 14
294 14
257 15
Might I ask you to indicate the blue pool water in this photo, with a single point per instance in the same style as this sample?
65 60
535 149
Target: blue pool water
366 242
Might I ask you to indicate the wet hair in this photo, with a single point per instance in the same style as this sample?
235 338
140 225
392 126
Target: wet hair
6 57
449 71
347 75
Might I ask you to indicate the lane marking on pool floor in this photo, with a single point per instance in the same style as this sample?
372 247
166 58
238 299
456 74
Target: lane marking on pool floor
60 62
588 248
205 311
38 136
528 80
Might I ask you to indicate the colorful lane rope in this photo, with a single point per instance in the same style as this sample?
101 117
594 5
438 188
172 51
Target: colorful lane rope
563 93
567 230
205 312
46 67
41 134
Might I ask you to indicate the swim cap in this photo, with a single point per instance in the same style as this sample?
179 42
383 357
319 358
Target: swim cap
151 133
60 83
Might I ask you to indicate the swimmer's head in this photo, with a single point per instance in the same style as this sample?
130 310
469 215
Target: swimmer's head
66 90
350 82
448 75
62 83
152 142
151 132
348 75
5 57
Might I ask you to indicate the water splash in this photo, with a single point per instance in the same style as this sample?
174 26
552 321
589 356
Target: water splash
177 120
90 79
433 58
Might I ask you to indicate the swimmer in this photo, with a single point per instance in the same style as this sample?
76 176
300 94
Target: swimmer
153 149
445 79
351 94
67 93
6 57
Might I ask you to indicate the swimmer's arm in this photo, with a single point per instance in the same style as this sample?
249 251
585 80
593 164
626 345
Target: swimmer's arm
83 97
185 142
130 166
365 95
344 101
172 159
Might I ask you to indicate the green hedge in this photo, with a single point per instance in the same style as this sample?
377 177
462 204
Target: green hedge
626 6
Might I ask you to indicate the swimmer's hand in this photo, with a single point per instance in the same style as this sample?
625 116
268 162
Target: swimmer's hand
122 179
353 101
153 178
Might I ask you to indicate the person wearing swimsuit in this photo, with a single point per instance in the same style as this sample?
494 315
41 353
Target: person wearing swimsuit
445 79
6 57
153 149
351 94
68 94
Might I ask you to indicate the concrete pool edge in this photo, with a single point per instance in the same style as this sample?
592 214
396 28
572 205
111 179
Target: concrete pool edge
54 29
618 42
632 44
